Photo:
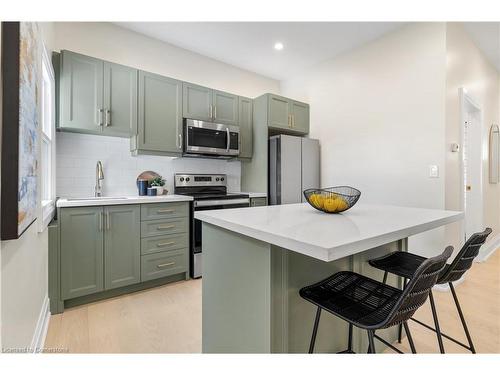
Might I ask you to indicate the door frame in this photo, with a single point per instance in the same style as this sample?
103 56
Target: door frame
467 100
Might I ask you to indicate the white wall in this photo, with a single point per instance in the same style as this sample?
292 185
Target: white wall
113 43
467 67
23 273
77 155
379 113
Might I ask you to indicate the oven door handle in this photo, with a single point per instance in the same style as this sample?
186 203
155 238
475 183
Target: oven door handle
221 202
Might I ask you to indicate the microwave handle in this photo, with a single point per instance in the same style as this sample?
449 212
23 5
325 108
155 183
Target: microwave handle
228 139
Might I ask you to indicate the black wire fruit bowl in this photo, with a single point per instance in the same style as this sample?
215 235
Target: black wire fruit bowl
332 200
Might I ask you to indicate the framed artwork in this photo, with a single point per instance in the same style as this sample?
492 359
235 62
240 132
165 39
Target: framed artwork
20 121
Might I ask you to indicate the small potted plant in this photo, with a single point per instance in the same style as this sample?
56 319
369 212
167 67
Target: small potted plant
158 183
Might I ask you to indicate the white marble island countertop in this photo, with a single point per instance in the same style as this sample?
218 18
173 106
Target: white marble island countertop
328 237
123 199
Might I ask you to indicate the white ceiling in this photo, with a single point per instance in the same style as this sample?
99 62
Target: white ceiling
486 35
249 45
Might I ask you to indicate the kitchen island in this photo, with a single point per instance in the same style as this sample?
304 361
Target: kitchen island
256 260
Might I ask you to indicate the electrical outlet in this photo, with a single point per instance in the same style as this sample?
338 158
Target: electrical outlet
433 171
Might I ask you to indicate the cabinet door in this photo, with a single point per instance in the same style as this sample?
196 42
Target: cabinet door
120 100
122 245
82 244
81 93
225 110
246 127
197 102
160 114
279 112
300 117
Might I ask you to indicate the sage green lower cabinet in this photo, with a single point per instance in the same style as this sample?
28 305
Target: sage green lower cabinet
257 202
82 251
122 245
100 251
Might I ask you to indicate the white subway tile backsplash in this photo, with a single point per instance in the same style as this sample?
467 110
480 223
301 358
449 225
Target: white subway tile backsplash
77 155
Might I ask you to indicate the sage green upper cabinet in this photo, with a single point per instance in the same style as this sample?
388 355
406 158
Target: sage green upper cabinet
81 93
287 115
246 127
122 245
205 104
279 112
300 117
120 100
225 108
96 96
82 247
160 116
197 102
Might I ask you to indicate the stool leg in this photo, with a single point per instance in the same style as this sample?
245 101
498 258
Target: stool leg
436 323
410 339
315 330
385 278
400 329
349 342
469 339
371 342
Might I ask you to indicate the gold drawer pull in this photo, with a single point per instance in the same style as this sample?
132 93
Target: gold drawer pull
165 265
162 227
164 210
162 244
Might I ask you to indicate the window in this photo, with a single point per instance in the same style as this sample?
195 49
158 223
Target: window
47 142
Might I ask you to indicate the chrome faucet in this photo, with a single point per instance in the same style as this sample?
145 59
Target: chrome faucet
99 176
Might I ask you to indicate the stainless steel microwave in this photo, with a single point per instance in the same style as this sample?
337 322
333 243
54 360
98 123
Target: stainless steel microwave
207 138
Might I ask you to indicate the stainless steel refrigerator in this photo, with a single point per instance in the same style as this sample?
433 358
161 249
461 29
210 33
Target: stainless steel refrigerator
293 167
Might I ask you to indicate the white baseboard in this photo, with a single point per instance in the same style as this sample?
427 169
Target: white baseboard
41 328
489 249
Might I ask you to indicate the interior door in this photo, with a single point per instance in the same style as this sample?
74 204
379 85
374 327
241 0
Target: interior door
81 99
120 100
472 159
122 245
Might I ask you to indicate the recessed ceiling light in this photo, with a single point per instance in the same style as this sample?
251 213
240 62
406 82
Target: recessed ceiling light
278 46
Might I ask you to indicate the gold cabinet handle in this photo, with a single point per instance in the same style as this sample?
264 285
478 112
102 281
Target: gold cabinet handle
163 244
99 114
108 118
165 265
164 210
162 227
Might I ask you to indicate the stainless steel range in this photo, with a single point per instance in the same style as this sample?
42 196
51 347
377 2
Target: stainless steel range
210 193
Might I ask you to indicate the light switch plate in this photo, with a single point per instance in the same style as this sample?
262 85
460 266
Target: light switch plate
433 171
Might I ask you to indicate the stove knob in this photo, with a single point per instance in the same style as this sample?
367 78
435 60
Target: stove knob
182 179
187 179
217 179
222 178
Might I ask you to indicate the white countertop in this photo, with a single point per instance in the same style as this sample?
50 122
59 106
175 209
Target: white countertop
328 237
106 201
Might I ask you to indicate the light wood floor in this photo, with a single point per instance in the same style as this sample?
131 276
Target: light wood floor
167 319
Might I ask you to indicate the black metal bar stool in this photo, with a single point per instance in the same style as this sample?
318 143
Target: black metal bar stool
404 264
371 305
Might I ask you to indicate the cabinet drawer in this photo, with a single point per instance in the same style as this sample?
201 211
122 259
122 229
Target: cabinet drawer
154 266
169 242
165 226
256 202
152 211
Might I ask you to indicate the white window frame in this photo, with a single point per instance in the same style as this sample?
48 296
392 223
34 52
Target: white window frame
47 207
